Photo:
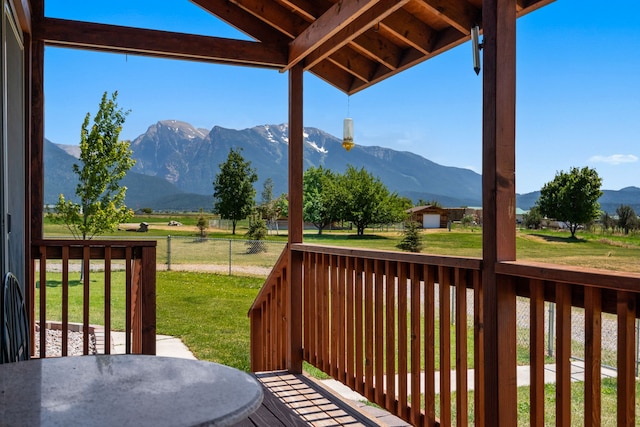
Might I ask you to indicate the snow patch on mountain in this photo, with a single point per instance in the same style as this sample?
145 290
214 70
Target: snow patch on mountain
317 148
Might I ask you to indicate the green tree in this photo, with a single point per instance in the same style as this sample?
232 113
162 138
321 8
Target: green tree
434 202
202 225
607 222
233 191
256 234
627 218
572 197
533 219
411 240
104 161
282 205
269 208
320 204
364 199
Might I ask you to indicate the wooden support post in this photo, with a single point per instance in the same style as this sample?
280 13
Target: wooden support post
498 203
294 290
34 96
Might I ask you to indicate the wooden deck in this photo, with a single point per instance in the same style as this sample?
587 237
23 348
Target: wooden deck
296 400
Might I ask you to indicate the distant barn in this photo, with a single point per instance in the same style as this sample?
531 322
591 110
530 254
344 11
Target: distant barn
429 216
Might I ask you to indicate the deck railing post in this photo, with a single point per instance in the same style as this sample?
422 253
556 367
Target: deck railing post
169 253
148 300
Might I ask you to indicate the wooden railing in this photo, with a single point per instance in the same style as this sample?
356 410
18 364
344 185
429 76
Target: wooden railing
598 292
373 320
137 294
268 316
396 328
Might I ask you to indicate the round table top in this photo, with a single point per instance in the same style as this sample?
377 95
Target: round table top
125 390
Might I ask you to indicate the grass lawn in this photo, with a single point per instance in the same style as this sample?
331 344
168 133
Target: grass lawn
207 311
608 400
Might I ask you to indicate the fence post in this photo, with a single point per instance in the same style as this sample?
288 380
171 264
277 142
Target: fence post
229 257
169 253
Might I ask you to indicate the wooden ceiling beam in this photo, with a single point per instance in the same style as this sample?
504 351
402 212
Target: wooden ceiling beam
339 16
354 63
242 21
334 75
415 32
340 65
274 15
526 6
359 26
379 48
112 38
460 14
307 8
444 41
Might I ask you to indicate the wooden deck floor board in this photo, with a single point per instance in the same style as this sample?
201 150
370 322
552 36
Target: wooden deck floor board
294 400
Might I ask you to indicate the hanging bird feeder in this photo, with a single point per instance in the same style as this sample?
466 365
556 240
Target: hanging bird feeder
347 138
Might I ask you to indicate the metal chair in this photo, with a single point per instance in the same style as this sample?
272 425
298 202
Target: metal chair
14 330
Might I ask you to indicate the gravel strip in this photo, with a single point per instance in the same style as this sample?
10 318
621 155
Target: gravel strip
54 343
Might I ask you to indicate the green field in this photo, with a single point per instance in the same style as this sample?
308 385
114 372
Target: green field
588 249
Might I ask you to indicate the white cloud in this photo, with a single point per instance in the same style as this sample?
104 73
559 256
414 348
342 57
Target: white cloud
614 159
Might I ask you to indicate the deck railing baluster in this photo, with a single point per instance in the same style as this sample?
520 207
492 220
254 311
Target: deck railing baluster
592 357
536 339
65 301
445 345
460 283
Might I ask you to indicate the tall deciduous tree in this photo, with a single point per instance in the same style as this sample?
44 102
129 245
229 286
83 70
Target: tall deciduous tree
233 192
365 200
572 197
270 207
104 161
627 218
320 202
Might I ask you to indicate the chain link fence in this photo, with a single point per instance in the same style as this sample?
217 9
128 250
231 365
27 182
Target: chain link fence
232 256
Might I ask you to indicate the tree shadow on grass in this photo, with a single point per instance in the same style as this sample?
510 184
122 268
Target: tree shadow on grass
58 283
560 239
345 237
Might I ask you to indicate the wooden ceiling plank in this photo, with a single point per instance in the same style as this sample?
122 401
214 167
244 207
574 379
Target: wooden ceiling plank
457 13
527 6
307 8
242 21
415 32
370 43
322 29
354 63
274 15
445 40
67 33
363 23
334 75
340 65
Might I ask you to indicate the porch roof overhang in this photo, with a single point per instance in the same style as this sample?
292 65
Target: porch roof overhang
350 44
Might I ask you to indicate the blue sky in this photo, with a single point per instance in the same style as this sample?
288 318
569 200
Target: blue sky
578 100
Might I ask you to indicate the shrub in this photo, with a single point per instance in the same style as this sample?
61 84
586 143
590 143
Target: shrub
256 234
411 242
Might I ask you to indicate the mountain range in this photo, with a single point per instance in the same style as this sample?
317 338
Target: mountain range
176 165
